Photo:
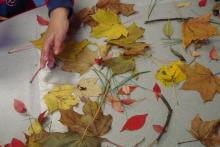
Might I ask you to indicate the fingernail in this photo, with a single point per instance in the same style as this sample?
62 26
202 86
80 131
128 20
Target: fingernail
45 58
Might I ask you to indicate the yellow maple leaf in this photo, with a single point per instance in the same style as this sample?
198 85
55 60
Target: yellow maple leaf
35 128
87 88
171 74
197 29
109 25
60 97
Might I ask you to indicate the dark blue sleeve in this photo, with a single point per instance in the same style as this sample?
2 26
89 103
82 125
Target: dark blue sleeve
53 4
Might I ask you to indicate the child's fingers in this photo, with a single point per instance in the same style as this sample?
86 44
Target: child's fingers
58 45
45 52
51 59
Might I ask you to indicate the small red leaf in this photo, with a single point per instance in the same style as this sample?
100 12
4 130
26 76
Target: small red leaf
128 101
135 123
19 106
42 21
17 143
213 54
158 128
8 145
157 91
202 3
99 61
126 89
42 118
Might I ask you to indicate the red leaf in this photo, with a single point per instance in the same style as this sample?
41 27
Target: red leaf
19 106
42 118
126 89
42 21
17 143
157 91
158 128
99 61
8 145
213 54
128 101
202 3
134 123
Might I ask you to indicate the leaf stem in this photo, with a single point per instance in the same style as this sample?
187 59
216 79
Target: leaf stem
35 74
183 142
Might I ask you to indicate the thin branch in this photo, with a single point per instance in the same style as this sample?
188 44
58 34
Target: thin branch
21 48
106 140
183 142
166 19
170 111
35 74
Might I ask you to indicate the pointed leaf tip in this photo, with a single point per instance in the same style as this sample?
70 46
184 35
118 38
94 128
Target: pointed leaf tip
19 106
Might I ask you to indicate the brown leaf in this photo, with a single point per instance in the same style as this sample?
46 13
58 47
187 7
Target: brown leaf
116 6
201 79
82 63
78 122
138 48
197 29
206 131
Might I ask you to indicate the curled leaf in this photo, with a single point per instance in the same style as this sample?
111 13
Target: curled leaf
213 54
135 122
168 29
19 106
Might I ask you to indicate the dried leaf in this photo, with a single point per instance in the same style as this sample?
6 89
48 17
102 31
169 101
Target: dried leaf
157 91
168 29
183 4
126 89
179 55
77 122
82 63
202 3
195 53
84 16
158 128
116 6
60 97
135 49
197 29
213 54
19 106
109 25
206 131
35 128
120 65
170 74
87 88
201 79
135 122
116 104
103 49
69 140
42 21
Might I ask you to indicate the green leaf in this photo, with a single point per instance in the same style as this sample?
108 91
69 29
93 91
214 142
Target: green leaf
69 140
120 65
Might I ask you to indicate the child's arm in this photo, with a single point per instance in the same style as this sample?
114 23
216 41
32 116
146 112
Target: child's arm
59 11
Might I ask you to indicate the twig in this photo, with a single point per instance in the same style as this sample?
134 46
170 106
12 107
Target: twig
179 143
112 142
21 48
35 74
170 111
166 19
140 142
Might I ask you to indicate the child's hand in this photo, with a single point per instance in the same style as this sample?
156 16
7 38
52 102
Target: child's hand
55 36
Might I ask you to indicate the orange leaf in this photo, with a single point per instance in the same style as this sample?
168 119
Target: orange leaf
19 106
197 29
158 128
213 54
126 89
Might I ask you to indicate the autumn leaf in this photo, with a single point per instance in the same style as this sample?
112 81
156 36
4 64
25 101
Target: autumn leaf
158 128
170 74
15 143
78 122
126 89
135 122
19 106
120 65
183 4
157 91
213 54
86 59
202 3
168 29
84 16
42 21
69 140
206 131
35 128
116 6
115 102
42 117
109 25
60 97
87 88
197 29
201 79
127 101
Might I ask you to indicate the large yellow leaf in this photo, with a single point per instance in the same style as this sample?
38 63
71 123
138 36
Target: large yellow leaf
197 29
109 25
60 98
35 128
